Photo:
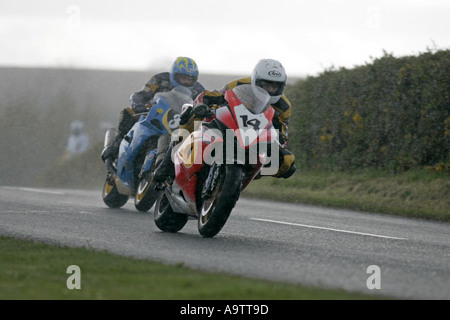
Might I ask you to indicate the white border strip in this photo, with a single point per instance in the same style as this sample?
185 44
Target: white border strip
330 229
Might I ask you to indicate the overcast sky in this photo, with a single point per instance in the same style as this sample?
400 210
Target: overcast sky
222 36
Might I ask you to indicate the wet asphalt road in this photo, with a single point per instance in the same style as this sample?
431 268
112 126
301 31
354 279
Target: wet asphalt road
284 242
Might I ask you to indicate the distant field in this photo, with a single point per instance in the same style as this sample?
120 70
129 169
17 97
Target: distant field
34 101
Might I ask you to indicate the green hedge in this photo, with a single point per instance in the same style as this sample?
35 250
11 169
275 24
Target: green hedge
393 113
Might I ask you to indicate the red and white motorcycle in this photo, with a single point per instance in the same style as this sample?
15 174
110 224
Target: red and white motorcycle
216 162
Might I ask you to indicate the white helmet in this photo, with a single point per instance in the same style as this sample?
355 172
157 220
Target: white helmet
271 71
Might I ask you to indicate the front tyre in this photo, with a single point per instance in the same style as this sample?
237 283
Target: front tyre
216 209
146 193
165 218
111 196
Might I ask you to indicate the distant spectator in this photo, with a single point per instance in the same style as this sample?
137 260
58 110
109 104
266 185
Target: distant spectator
78 141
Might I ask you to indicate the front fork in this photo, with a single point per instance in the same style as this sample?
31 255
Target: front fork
163 145
211 181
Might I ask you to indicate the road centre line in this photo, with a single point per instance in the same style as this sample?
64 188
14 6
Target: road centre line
330 229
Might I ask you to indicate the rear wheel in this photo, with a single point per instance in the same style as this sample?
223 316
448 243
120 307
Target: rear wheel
217 207
111 196
166 219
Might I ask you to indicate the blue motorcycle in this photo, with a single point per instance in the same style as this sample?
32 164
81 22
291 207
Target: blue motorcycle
141 151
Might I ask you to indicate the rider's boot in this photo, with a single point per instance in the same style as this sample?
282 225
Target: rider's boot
166 168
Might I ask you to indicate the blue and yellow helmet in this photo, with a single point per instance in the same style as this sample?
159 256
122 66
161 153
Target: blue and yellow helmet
182 69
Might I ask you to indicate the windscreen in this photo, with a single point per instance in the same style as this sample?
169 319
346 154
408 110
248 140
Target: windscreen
176 98
254 98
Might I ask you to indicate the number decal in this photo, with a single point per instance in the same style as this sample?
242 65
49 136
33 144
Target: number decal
255 123
249 124
174 123
248 120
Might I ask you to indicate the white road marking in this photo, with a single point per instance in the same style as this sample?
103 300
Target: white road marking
25 211
330 229
34 190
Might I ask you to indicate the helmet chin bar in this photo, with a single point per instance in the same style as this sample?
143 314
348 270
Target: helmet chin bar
277 93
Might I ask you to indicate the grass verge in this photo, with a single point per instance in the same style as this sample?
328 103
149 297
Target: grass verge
416 193
37 271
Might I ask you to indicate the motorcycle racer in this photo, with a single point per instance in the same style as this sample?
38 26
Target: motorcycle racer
184 72
268 74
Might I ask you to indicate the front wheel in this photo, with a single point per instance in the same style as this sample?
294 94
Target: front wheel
165 218
146 193
111 196
216 209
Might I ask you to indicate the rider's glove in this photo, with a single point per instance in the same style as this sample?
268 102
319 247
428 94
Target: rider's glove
202 111
139 108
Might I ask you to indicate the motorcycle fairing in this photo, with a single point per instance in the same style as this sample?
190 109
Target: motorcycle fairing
128 150
188 158
188 161
142 130
248 125
149 158
161 112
